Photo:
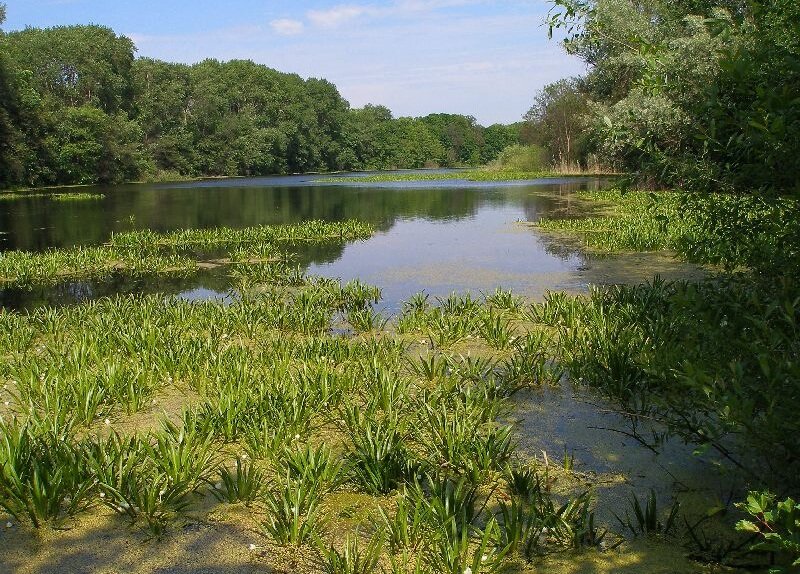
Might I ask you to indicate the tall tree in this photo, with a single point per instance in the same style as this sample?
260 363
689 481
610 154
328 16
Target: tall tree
557 121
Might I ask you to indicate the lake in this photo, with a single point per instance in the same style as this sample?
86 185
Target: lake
436 236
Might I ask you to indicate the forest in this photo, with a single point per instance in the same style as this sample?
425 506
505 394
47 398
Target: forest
77 107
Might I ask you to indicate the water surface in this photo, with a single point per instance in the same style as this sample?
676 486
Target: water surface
436 236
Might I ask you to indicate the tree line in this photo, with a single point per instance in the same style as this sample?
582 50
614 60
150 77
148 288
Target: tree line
77 106
693 94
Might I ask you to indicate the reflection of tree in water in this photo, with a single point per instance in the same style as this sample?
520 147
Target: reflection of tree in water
38 223
70 292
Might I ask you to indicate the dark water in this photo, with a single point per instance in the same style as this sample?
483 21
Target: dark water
435 236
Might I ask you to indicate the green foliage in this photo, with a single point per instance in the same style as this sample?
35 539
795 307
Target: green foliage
646 521
353 559
777 525
557 122
76 107
292 511
519 158
724 350
42 477
241 485
699 95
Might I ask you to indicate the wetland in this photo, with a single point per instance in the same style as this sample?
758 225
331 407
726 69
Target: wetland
299 374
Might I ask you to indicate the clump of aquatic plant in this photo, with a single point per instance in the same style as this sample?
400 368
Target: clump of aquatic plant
431 366
522 480
357 295
319 465
504 300
647 520
353 558
26 269
183 455
244 483
459 436
377 456
43 477
407 528
151 479
292 508
365 320
314 231
456 550
533 526
77 196
496 330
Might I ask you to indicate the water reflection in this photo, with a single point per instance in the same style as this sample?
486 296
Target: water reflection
433 236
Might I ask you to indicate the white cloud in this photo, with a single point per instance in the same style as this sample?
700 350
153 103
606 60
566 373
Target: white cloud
338 15
287 27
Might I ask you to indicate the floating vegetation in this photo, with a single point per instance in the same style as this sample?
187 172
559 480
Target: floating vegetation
229 238
286 417
148 253
26 269
464 175
77 196
290 413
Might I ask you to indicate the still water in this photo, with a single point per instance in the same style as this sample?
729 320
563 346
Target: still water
435 236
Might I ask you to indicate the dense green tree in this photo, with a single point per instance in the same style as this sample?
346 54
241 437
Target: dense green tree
88 145
693 93
407 143
460 137
162 108
498 137
360 138
77 107
557 121
76 65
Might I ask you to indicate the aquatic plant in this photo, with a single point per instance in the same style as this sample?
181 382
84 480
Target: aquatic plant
42 475
242 484
407 528
75 196
353 558
377 456
314 464
458 550
292 511
646 520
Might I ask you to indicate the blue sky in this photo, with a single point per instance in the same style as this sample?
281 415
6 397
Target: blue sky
484 58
